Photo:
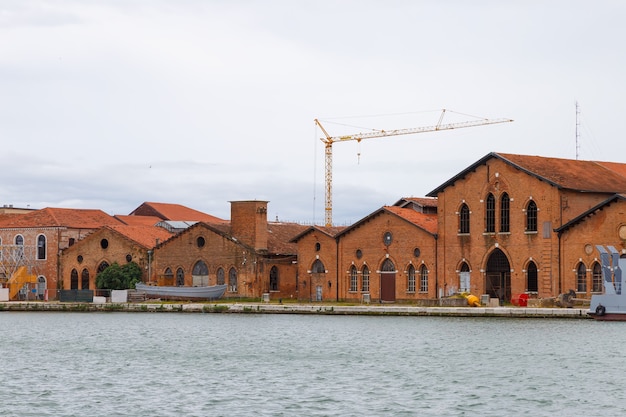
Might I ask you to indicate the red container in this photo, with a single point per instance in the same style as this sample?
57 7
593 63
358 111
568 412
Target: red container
520 300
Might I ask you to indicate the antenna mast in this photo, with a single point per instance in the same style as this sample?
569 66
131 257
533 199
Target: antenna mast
577 130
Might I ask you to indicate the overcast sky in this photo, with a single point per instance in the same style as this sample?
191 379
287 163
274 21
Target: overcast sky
110 103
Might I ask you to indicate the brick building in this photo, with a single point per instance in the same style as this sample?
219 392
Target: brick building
80 263
386 256
249 254
511 224
38 237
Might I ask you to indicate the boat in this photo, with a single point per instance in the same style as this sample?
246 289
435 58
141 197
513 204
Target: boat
612 304
182 293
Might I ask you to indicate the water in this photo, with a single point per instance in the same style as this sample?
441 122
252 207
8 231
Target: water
168 364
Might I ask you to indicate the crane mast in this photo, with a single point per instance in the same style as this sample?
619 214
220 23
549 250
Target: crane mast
328 141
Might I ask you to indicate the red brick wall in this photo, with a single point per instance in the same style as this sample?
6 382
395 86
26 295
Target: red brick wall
249 222
555 207
406 238
317 245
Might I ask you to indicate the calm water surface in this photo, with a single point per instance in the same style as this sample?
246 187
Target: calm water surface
167 364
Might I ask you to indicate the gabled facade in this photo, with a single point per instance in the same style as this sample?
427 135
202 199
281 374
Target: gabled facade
81 263
499 221
251 256
389 256
317 264
39 236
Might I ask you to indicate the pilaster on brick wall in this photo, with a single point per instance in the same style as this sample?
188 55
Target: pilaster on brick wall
248 221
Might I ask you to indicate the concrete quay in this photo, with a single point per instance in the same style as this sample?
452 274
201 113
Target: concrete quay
289 308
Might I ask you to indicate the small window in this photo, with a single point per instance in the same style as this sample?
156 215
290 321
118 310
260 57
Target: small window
41 247
79 258
104 243
464 219
387 238
200 241
84 278
19 240
318 267
180 277
103 265
416 252
71 241
220 276
274 279
490 214
365 279
596 285
318 246
531 216
581 278
232 280
505 203
129 258
532 278
423 279
411 279
359 253
354 279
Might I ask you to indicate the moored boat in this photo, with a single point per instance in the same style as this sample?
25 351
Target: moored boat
612 304
182 293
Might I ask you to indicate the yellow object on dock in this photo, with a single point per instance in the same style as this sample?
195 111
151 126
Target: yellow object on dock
473 301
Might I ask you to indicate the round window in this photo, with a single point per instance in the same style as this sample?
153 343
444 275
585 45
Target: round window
129 258
79 258
416 252
387 238
359 253
104 243
200 241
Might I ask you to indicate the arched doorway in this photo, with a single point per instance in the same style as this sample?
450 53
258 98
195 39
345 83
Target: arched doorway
388 281
498 276
200 274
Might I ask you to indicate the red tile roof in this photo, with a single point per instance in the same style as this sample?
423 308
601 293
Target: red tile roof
60 217
167 211
138 220
422 201
146 236
280 235
428 222
588 176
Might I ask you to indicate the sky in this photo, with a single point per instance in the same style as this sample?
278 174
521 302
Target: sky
109 103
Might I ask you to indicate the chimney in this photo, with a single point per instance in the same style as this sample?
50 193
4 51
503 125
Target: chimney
248 222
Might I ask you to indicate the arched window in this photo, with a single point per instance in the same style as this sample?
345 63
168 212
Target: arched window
232 280
532 283
220 276
19 240
180 277
200 274
74 280
411 279
596 281
365 281
490 214
505 203
41 247
464 219
84 279
274 279
19 251
1 249
581 278
531 216
103 265
354 279
464 277
423 279
169 274
318 267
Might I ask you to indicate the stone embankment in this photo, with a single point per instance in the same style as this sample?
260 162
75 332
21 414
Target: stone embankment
289 308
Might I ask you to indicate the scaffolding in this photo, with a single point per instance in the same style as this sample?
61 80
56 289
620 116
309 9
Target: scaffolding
18 271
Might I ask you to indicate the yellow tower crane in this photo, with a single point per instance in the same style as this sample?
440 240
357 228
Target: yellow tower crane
328 141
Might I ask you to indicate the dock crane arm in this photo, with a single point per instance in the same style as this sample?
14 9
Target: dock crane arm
328 141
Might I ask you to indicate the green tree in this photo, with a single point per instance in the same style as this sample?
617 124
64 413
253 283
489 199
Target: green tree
116 277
